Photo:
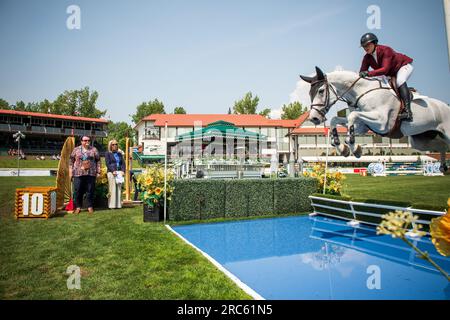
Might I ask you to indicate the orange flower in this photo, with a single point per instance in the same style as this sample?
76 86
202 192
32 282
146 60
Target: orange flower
158 191
440 233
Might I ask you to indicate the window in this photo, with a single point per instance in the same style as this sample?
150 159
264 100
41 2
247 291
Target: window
171 132
79 125
152 133
68 124
36 121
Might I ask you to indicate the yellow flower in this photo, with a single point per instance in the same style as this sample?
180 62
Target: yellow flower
398 223
158 191
440 232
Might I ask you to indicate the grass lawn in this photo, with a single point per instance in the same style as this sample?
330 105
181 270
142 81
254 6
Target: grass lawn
11 162
417 189
120 256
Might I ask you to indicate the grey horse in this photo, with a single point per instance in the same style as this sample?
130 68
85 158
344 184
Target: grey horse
374 106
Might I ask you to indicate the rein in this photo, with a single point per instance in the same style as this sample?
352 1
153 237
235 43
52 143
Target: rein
326 106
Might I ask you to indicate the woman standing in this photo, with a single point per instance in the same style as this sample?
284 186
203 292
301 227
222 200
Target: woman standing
84 168
115 165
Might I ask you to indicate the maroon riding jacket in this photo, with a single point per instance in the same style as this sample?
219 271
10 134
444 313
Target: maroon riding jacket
389 62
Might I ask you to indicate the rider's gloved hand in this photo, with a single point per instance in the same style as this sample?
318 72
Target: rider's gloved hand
364 74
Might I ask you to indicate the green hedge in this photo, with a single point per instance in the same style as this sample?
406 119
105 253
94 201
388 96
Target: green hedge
222 198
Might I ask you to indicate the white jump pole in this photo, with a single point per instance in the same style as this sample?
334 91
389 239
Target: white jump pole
327 131
165 173
447 25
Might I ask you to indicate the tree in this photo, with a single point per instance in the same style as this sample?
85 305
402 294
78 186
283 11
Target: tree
32 107
246 105
20 106
45 106
4 105
266 113
292 111
179 110
77 103
147 108
119 131
229 110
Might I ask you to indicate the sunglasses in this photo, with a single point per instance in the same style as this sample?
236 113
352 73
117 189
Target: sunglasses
114 144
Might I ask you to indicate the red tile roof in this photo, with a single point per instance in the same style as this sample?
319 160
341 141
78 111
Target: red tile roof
315 131
50 115
240 120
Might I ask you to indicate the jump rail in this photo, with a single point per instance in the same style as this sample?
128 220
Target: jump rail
365 212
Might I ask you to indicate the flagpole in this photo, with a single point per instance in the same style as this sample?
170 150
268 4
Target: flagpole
327 131
165 174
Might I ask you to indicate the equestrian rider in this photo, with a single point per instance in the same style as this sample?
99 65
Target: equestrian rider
386 62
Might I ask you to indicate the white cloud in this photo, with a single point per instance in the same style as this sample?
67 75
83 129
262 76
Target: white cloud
275 113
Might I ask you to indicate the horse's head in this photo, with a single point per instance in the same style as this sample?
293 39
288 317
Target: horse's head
320 96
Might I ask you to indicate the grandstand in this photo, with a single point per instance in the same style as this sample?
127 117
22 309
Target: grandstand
46 133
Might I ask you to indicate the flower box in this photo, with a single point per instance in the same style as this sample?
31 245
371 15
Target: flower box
155 213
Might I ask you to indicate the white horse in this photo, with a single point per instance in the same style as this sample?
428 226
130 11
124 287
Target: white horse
374 106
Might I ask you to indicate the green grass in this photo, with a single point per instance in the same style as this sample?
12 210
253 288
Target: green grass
11 162
120 256
433 191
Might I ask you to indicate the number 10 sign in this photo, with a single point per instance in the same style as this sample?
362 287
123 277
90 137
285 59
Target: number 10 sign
35 202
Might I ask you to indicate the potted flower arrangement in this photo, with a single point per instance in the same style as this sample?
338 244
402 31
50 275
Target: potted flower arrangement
101 189
151 186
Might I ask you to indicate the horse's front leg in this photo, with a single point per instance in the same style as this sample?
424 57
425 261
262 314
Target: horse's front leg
356 126
341 148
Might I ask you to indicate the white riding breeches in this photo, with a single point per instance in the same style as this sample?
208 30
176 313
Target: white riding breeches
403 74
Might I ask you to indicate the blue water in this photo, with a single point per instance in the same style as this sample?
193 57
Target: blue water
320 258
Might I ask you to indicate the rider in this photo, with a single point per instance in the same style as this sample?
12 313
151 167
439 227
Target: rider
385 61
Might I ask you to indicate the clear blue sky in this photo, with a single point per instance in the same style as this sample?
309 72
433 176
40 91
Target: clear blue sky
204 55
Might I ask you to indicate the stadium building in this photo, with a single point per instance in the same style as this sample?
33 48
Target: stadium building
45 133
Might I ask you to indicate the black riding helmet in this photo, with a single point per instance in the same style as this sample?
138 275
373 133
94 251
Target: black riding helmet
367 38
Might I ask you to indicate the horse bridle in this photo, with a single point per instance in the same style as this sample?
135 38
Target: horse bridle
325 107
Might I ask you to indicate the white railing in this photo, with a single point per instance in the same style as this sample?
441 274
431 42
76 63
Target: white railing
354 213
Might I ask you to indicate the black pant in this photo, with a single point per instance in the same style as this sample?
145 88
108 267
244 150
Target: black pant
82 185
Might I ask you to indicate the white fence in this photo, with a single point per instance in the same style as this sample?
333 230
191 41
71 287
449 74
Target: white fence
368 213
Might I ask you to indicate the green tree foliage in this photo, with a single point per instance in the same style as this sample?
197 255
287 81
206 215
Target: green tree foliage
147 108
77 103
246 105
20 106
4 105
119 131
265 113
179 110
292 111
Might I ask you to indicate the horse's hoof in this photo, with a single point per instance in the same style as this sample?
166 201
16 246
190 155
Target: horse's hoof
358 152
345 151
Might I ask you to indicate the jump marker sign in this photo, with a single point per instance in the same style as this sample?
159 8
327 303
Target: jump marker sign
35 202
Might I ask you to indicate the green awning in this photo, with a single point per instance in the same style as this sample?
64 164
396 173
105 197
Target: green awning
222 129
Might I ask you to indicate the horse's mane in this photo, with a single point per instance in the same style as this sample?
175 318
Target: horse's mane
347 73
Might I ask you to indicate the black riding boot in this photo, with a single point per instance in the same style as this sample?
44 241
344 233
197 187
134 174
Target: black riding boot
406 97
